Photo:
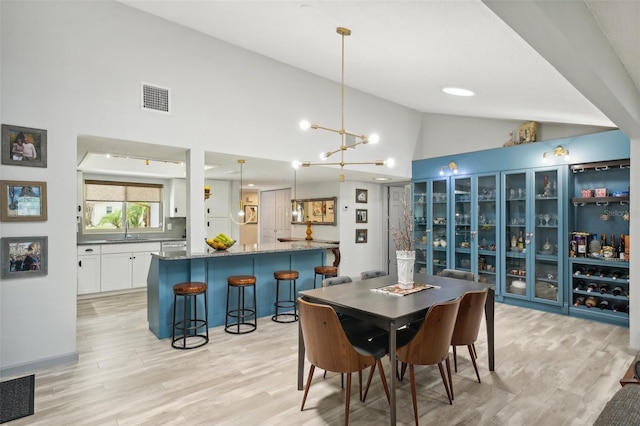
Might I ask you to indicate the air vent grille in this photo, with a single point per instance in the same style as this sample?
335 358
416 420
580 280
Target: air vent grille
155 98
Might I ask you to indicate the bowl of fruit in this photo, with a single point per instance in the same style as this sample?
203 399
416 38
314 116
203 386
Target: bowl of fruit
220 242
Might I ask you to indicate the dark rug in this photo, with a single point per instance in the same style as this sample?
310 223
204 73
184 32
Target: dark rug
16 398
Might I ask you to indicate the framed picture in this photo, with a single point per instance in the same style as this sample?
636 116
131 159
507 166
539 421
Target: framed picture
23 257
362 195
250 214
361 235
361 215
23 200
22 146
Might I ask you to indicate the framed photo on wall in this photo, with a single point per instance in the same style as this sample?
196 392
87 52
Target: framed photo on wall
24 146
250 214
23 257
23 201
361 215
361 236
362 195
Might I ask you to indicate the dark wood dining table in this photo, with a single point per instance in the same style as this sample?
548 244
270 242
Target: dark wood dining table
391 311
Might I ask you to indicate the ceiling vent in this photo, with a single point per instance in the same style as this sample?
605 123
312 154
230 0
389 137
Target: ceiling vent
155 98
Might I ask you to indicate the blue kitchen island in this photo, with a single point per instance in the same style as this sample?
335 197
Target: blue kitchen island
213 267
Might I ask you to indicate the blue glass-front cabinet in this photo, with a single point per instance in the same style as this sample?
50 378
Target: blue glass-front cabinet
532 223
430 207
475 217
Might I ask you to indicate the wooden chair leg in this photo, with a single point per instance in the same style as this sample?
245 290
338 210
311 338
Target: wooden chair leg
449 375
412 377
455 359
306 389
444 382
473 360
382 377
347 400
475 354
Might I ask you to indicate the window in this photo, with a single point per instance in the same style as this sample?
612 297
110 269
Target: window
108 204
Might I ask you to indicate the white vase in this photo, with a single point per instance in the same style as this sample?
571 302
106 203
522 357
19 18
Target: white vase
406 260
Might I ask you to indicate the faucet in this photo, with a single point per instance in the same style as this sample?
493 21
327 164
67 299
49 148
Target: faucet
127 235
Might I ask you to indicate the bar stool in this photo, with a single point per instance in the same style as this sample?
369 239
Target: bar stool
324 272
289 303
241 314
189 325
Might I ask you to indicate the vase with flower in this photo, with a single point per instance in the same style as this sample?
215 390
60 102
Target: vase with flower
403 238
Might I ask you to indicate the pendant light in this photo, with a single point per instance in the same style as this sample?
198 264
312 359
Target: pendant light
240 213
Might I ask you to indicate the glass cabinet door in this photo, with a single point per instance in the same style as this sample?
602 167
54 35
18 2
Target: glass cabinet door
486 236
420 228
514 234
547 235
462 217
437 254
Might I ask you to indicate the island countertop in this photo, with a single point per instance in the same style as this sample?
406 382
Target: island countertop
214 267
246 249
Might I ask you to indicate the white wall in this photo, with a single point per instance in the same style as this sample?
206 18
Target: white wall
77 71
449 134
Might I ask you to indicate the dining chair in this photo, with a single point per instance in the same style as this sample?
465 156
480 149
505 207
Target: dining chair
375 273
429 345
467 326
461 275
340 279
328 347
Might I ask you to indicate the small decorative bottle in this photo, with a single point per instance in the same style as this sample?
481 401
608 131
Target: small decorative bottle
594 245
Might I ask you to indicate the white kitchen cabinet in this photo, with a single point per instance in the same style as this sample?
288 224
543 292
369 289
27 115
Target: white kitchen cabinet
125 266
178 198
89 269
218 203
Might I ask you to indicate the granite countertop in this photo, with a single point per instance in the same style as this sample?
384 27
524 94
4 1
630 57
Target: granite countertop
245 249
129 240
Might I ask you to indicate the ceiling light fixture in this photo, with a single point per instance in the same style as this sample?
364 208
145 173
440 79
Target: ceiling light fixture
240 212
357 139
457 91
558 151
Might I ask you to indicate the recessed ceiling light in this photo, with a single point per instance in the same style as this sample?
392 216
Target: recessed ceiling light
381 179
250 185
457 91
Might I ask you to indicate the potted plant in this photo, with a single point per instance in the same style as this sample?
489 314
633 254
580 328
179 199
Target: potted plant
402 234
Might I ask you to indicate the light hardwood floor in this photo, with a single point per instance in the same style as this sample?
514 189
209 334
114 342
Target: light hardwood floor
550 370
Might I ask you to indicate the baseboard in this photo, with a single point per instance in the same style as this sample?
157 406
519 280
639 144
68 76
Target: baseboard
41 364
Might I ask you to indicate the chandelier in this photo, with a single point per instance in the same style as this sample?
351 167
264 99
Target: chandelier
355 139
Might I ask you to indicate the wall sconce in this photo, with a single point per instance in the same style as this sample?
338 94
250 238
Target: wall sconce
207 192
558 151
453 166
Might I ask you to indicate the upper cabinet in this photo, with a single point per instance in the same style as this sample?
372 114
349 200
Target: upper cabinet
430 214
217 205
178 198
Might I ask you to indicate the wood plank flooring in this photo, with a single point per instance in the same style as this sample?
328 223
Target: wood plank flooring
550 370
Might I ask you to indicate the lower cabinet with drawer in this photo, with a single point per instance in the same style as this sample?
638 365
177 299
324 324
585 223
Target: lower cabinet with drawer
89 269
110 267
125 266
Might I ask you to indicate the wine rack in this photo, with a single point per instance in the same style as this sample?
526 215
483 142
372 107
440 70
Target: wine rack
603 284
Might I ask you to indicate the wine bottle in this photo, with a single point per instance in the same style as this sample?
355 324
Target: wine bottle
514 242
604 288
590 302
617 291
614 248
620 308
604 304
578 271
616 274
603 242
604 272
621 247
594 245
590 272
580 285
579 301
591 287
520 242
